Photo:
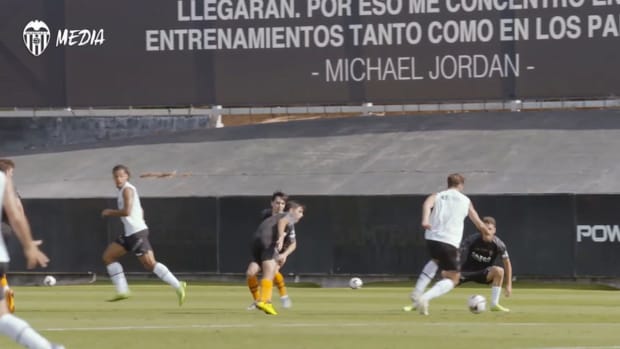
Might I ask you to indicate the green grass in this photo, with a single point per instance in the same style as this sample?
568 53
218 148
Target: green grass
214 316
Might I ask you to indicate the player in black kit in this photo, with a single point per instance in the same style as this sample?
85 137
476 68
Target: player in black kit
278 203
270 250
479 253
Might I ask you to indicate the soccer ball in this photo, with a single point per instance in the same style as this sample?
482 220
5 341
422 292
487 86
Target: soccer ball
355 283
49 280
477 304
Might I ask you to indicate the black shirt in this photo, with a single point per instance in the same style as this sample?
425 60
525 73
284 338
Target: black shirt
263 230
478 254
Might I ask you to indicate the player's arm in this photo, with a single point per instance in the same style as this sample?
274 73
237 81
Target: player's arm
282 224
128 199
427 206
289 249
23 212
508 275
475 218
20 225
287 252
19 204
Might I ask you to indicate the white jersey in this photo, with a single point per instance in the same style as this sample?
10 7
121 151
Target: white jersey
4 253
135 221
450 209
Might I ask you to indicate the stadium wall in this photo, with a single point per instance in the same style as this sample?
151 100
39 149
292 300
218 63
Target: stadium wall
40 133
555 236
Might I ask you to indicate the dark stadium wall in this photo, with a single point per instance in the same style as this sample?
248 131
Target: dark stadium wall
39 133
555 236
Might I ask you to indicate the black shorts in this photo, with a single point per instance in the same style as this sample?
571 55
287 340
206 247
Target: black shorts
479 276
261 253
446 255
137 243
4 268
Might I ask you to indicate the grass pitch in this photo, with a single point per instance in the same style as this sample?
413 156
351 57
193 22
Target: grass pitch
214 316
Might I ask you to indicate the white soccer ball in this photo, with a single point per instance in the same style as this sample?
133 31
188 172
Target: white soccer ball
477 304
49 280
355 283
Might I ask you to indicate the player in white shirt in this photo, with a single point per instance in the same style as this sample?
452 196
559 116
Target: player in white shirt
8 167
10 325
443 214
135 239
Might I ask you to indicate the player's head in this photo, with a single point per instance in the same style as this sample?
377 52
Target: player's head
121 174
489 222
456 181
278 202
7 166
295 209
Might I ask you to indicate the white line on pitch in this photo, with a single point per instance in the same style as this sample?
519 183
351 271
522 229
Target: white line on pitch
291 325
208 326
147 327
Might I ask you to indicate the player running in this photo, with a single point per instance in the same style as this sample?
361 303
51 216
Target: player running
135 239
442 218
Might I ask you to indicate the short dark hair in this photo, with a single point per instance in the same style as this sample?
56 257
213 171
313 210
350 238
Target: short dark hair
490 220
6 164
121 167
291 205
455 179
279 194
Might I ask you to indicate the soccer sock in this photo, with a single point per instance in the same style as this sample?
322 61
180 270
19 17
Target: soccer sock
115 270
266 288
440 288
4 283
496 291
21 332
279 281
253 286
163 273
427 275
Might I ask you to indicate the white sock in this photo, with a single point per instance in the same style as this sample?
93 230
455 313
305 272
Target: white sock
21 332
115 270
425 278
440 288
163 273
496 291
